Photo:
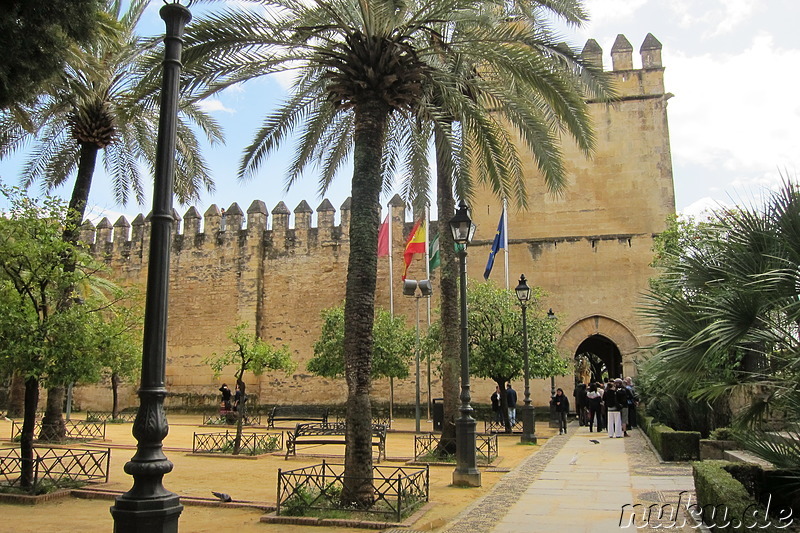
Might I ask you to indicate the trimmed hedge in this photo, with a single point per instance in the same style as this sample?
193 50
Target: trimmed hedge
671 445
726 505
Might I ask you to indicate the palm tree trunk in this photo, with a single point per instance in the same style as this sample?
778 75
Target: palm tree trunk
26 442
448 287
359 312
53 426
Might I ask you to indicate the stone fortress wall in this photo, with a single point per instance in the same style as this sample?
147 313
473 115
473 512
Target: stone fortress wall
590 248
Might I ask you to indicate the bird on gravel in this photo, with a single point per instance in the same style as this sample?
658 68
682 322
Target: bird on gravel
222 496
593 441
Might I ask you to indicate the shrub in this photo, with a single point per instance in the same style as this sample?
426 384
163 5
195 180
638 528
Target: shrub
724 433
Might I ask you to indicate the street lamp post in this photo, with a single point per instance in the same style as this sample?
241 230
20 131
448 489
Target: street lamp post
425 290
528 415
466 472
554 421
148 507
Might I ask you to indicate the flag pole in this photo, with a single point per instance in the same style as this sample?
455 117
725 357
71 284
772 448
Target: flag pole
428 277
505 236
391 309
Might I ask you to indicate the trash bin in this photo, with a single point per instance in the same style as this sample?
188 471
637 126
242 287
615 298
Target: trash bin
438 414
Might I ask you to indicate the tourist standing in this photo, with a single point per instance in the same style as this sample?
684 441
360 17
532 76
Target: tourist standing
511 399
497 404
614 414
561 404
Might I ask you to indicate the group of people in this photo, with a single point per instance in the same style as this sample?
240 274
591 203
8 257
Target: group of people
227 405
610 405
511 402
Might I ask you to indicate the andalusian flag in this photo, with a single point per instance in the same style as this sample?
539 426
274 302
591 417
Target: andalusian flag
414 245
433 252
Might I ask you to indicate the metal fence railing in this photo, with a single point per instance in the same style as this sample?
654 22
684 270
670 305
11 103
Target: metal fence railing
492 426
55 465
229 419
397 491
253 443
427 448
76 429
106 416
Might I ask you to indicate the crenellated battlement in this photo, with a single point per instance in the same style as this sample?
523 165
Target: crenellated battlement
630 82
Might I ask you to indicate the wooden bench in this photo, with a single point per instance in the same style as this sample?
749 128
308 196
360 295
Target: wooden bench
316 433
297 412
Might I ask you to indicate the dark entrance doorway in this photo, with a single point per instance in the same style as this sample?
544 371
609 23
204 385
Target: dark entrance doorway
604 358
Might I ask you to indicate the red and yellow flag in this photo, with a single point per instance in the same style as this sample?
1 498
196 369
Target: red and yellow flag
414 245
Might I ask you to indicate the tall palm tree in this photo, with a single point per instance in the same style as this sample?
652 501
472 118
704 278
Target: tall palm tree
364 70
101 104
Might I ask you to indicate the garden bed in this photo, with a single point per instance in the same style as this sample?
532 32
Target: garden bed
54 468
253 443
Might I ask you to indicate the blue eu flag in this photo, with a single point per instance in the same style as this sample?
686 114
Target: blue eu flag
499 242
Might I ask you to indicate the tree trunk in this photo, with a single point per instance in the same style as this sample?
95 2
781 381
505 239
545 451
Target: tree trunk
448 287
16 396
26 442
54 429
114 395
359 313
241 411
53 426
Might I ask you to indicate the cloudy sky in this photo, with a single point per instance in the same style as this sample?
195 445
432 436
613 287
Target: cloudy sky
731 64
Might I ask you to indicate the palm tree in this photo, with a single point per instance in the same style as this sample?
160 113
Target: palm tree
99 105
726 315
364 70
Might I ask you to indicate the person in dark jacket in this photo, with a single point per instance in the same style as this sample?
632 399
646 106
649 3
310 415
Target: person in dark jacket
561 404
511 399
614 415
226 397
497 405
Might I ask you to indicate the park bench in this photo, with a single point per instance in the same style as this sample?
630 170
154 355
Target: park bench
317 433
305 413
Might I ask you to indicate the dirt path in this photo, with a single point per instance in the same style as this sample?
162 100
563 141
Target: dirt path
244 479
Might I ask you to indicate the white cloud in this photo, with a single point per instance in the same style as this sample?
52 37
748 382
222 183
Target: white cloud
603 12
716 17
737 112
211 105
702 209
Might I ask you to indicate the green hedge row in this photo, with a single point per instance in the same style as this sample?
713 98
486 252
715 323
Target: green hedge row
671 445
724 504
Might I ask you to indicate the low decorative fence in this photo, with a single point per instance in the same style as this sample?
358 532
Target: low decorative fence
397 491
378 419
59 466
76 429
492 426
106 416
426 448
252 443
229 419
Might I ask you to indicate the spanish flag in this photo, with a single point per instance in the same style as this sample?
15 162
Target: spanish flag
414 245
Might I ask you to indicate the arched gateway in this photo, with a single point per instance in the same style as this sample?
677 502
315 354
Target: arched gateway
612 345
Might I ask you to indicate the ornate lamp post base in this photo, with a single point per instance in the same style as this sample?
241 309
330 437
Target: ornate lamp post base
528 424
466 473
143 516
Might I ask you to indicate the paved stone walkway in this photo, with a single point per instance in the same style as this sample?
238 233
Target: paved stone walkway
574 485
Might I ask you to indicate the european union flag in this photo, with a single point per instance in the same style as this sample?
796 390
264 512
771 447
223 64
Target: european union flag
499 242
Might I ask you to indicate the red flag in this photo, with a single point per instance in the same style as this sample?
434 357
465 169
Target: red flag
414 245
383 238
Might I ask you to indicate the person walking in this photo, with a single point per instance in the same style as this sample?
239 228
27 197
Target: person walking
614 415
561 404
511 399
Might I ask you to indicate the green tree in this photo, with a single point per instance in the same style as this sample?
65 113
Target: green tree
250 354
364 67
726 318
102 104
496 343
43 345
37 39
393 348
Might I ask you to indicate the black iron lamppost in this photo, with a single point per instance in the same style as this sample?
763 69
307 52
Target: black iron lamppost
528 415
148 507
425 290
554 421
466 472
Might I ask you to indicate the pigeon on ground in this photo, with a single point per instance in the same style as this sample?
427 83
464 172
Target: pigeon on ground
222 496
574 460
593 441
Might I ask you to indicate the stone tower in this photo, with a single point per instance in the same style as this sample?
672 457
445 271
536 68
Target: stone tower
590 247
